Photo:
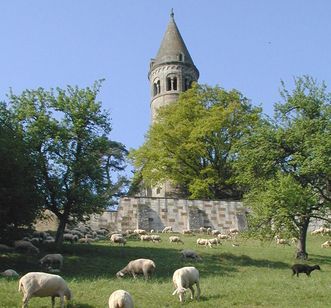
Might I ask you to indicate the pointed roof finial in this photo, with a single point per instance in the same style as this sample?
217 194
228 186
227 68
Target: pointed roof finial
172 14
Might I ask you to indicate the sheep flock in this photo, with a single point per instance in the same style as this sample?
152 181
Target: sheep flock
49 283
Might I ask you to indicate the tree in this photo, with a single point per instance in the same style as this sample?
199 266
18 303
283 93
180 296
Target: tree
20 201
286 163
190 143
75 159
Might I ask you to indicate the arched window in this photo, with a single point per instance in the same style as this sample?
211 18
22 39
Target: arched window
171 83
156 87
181 57
187 83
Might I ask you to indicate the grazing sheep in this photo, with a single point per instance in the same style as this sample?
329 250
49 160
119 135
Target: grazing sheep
4 248
304 268
214 241
190 254
223 236
120 299
208 230
203 230
138 266
204 242
145 238
183 279
53 260
167 230
215 232
9 273
118 238
68 237
281 241
233 231
189 232
326 244
323 231
38 284
175 239
140 231
25 247
156 238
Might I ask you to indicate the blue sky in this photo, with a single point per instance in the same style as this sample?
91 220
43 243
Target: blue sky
248 45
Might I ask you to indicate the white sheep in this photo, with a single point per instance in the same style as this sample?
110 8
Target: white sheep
146 238
167 230
189 232
9 273
214 241
120 299
140 231
281 241
38 284
156 238
215 232
204 242
184 278
25 247
138 266
223 236
68 237
118 238
175 239
53 260
326 244
203 230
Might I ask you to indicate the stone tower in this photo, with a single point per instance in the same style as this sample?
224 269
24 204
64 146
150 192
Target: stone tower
171 72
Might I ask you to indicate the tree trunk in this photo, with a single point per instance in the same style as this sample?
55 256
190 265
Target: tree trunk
60 231
301 246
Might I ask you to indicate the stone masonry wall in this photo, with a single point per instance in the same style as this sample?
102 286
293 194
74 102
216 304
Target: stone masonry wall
156 213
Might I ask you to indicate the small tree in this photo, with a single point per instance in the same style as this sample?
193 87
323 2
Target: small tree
20 201
75 159
287 164
190 143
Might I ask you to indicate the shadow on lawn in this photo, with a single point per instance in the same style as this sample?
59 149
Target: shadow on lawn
319 259
104 261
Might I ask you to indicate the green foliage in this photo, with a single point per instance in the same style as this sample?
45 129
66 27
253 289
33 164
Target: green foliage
190 143
287 161
75 159
20 201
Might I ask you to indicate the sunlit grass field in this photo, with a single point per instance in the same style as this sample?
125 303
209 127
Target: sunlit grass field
249 275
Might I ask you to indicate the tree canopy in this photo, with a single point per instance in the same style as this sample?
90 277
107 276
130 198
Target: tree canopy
76 161
287 164
190 143
20 201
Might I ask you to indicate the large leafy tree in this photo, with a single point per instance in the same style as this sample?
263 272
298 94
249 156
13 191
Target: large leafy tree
190 143
76 161
287 164
20 201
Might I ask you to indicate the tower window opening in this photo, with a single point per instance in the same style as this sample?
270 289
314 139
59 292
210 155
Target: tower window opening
168 84
171 84
174 85
181 57
156 88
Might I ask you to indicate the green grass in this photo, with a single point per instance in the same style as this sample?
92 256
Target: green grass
251 275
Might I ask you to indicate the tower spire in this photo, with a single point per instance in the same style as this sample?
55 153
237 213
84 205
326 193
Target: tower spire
172 14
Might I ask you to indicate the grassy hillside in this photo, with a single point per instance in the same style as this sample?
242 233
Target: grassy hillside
250 275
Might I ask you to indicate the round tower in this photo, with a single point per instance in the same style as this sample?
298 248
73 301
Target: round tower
172 71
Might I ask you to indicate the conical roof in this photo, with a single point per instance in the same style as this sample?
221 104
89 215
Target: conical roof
173 46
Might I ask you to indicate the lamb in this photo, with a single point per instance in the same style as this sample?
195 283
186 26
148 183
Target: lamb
9 273
120 299
25 247
214 241
203 241
167 230
54 260
68 237
326 244
304 268
281 241
40 284
223 236
185 278
175 239
118 238
187 231
215 232
190 254
138 266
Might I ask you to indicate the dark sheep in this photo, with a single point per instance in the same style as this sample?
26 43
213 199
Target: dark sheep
304 268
